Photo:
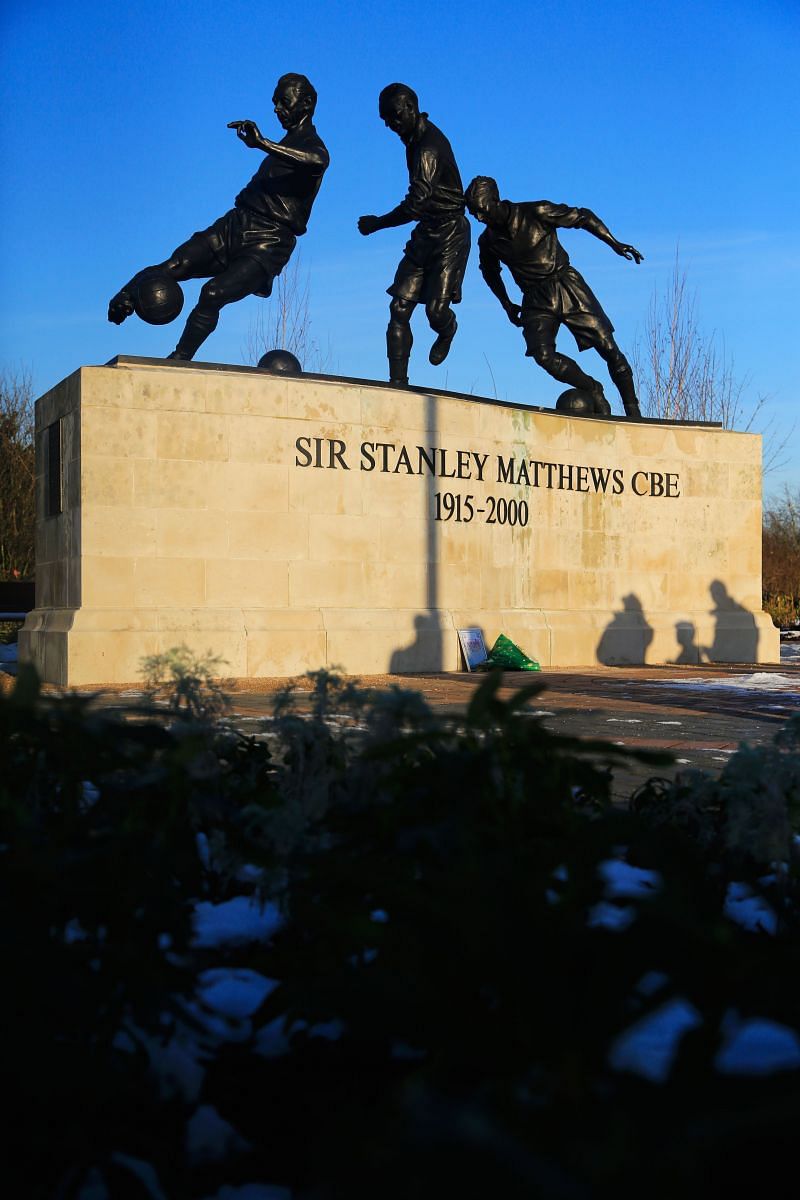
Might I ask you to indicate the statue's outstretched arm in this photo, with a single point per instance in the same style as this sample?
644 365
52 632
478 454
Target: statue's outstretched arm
592 224
398 216
313 156
412 206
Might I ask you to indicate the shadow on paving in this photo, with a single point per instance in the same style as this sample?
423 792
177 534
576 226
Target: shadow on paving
641 707
661 708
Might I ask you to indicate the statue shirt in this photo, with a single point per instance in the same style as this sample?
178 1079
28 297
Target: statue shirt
284 192
528 245
435 190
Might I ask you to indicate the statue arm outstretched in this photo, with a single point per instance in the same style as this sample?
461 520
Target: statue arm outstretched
592 224
564 216
412 206
397 216
314 157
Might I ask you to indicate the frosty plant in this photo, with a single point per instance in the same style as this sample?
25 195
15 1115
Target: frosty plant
187 682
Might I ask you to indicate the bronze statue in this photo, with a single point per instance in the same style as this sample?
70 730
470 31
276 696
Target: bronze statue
435 257
524 238
249 246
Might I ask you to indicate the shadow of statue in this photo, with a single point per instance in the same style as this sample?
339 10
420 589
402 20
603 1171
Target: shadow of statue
735 631
425 652
690 652
625 639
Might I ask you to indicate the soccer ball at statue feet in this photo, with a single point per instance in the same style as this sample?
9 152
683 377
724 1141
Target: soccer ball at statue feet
280 362
579 403
157 299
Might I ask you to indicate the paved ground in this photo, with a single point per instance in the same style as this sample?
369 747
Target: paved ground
699 714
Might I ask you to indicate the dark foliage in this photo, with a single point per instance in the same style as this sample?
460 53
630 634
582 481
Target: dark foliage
452 974
17 477
781 558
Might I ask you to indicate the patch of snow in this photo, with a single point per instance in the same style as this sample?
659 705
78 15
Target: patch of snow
623 721
759 681
649 1047
233 992
237 920
757 1046
685 762
749 910
624 882
669 722
614 917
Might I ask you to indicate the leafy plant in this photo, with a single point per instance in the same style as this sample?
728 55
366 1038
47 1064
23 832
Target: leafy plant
186 682
466 932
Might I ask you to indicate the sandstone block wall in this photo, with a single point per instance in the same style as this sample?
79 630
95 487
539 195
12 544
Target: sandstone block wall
286 524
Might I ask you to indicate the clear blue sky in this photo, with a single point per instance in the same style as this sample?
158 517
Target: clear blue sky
677 122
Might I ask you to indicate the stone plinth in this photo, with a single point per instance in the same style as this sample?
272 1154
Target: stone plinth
288 524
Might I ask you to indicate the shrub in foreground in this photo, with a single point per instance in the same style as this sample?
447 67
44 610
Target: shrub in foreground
466 944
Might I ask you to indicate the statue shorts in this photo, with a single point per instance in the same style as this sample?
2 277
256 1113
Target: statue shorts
564 298
433 262
241 233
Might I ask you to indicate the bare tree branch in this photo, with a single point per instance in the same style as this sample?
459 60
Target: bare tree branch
781 558
683 374
284 323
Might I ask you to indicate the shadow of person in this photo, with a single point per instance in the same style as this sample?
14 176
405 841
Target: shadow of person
625 639
690 652
425 652
735 631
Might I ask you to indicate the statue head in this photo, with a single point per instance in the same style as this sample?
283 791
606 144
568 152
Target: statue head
294 98
482 197
398 105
